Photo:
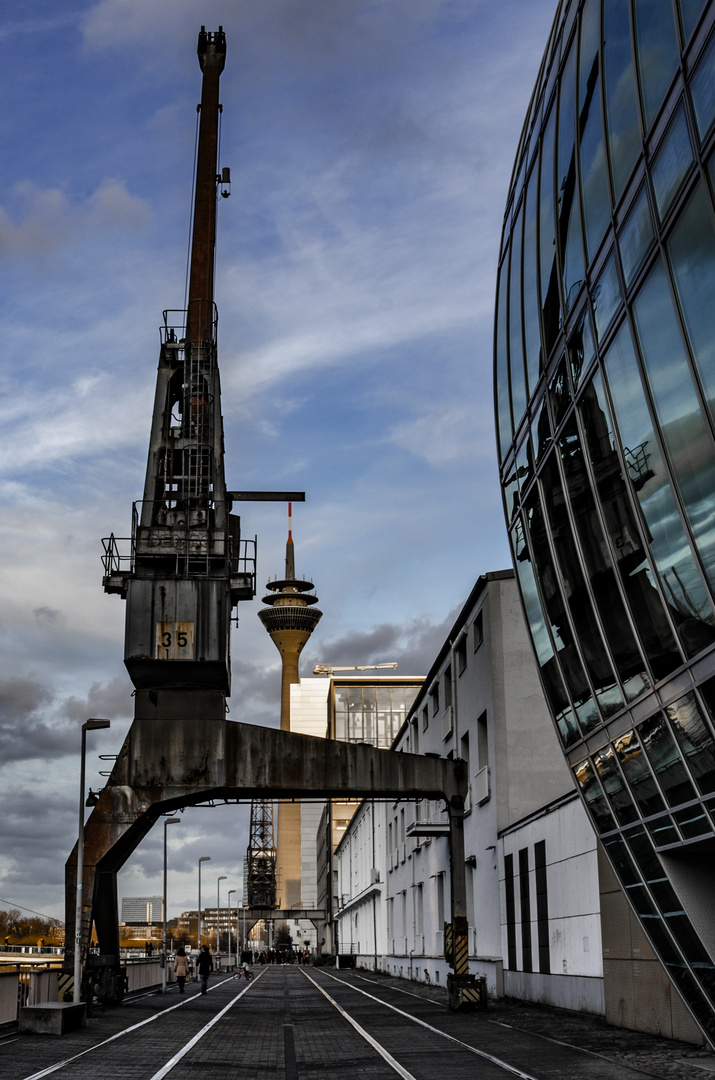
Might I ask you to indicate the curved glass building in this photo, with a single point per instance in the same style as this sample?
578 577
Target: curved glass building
605 413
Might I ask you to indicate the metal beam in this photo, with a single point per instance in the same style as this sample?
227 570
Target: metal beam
167 763
266 496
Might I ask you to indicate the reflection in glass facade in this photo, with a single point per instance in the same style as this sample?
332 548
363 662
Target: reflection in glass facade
605 413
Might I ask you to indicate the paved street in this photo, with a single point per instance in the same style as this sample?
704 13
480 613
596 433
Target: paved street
291 1023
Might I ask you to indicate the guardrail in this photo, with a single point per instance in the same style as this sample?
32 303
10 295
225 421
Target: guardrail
20 987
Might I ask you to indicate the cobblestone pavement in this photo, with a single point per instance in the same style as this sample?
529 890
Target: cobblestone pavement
290 1024
657 1057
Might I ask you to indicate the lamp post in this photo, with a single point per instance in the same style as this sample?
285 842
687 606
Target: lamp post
204 858
167 821
228 901
89 725
218 909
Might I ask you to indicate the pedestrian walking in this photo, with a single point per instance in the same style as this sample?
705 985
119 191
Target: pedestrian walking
181 967
204 967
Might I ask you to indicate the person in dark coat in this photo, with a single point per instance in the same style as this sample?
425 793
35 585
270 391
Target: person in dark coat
204 967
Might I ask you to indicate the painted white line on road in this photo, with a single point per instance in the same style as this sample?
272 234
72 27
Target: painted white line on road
166 1069
361 1031
481 1053
157 1016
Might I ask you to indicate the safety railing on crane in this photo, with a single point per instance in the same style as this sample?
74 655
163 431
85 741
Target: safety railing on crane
187 543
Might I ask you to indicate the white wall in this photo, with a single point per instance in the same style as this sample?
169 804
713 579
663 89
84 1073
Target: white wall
499 721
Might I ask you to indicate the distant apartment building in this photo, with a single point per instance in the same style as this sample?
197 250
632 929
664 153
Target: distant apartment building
141 909
352 707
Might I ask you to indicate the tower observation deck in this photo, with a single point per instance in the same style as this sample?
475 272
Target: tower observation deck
290 619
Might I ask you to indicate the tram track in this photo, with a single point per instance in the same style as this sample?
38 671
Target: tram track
289 1023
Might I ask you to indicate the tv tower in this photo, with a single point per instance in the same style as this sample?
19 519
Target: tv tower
290 619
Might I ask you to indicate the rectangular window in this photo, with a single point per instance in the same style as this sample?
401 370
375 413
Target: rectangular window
434 698
478 631
425 718
525 905
542 907
414 736
510 912
440 902
447 686
460 653
482 741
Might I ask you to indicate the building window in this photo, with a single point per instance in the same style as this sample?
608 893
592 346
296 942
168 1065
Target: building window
460 653
510 913
525 904
542 907
434 698
448 686
425 718
482 741
478 631
419 909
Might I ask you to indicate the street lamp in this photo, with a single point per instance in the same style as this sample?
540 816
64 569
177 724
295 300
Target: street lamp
89 725
167 821
218 912
228 901
204 858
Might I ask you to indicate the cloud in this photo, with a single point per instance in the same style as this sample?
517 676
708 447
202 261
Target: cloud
414 645
43 219
36 724
446 433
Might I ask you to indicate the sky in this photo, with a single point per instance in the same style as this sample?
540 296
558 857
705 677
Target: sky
370 144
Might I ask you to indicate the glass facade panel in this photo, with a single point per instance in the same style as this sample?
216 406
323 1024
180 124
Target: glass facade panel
502 367
569 214
631 560
516 352
687 436
612 783
532 336
550 673
689 14
702 89
559 394
671 163
657 46
635 237
663 832
693 822
599 566
695 740
691 247
663 755
560 625
574 589
683 586
541 433
638 774
620 87
550 308
620 857
580 348
596 801
594 177
606 296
